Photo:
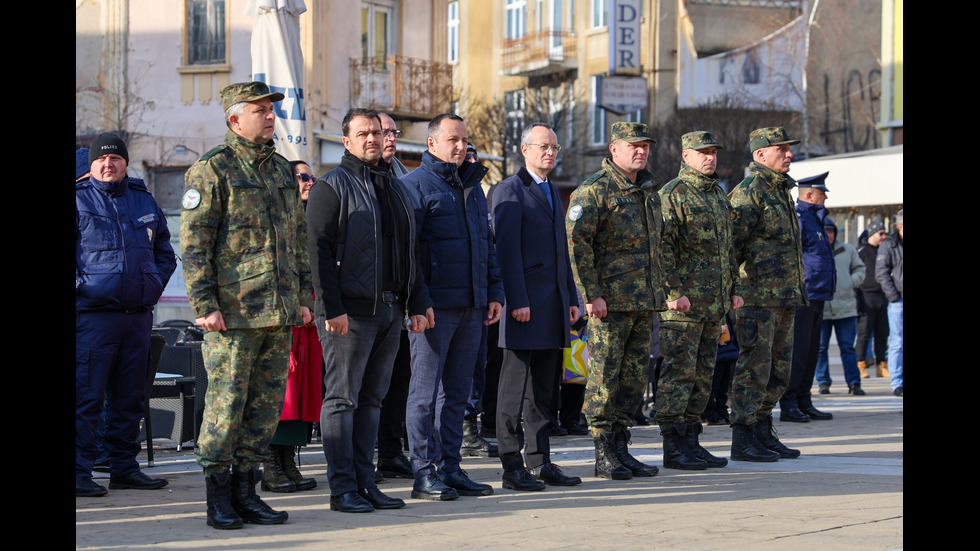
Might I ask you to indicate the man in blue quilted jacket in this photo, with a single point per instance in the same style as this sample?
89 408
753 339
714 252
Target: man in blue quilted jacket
462 285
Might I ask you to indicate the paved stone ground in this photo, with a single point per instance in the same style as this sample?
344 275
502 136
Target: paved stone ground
845 492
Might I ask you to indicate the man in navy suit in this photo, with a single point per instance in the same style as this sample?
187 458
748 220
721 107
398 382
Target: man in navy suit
528 222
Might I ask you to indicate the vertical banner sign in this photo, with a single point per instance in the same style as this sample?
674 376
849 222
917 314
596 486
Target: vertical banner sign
624 37
277 60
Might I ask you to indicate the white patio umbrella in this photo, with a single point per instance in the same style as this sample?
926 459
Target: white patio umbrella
277 60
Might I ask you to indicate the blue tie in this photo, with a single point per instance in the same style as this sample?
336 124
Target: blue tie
546 189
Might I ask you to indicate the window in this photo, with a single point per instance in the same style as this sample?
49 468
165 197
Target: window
206 32
453 19
515 18
513 121
597 13
376 31
597 120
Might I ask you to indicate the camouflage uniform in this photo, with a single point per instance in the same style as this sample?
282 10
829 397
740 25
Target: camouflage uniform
699 261
243 239
614 230
767 247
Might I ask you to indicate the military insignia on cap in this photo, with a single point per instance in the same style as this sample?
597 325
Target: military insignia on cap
191 199
575 212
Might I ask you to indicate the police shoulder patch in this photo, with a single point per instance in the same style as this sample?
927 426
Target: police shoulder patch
191 199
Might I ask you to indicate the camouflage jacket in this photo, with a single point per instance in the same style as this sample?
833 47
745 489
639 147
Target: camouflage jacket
767 240
698 255
614 230
243 237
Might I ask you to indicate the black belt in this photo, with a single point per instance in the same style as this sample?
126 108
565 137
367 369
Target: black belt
389 297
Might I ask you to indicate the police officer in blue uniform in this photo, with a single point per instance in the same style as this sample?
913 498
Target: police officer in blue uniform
123 260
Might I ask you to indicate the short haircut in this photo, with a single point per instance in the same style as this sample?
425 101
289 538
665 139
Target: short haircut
234 109
358 112
435 125
899 217
526 134
294 164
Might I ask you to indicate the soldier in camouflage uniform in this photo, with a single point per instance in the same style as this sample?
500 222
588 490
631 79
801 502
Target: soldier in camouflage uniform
767 248
248 278
699 261
614 224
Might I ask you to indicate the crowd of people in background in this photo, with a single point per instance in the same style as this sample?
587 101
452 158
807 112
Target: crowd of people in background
394 309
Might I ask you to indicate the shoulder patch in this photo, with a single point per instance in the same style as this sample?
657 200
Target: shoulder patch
575 212
191 199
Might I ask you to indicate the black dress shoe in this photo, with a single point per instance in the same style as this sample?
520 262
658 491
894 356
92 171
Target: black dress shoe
136 481
380 501
576 429
824 389
432 487
816 414
464 486
793 415
86 487
855 390
396 467
557 431
351 502
553 475
521 480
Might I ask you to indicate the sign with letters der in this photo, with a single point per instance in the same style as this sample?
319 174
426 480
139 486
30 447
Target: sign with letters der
624 37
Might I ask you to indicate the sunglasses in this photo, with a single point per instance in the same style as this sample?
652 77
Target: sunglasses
306 177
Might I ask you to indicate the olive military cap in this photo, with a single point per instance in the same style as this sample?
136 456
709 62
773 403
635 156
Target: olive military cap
773 135
247 91
631 132
699 139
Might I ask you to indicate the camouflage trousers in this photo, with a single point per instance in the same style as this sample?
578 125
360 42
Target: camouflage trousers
689 349
765 354
247 371
619 358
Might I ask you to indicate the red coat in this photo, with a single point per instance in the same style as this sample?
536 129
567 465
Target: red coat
305 377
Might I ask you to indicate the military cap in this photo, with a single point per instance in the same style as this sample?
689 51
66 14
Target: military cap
875 227
699 139
773 135
631 132
816 182
247 91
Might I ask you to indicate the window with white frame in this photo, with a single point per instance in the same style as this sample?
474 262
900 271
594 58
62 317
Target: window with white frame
453 18
597 13
515 19
377 28
597 115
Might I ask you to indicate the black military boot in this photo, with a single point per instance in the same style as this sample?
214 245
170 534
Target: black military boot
621 440
693 430
607 464
765 433
677 453
248 504
745 446
287 459
221 514
474 445
274 478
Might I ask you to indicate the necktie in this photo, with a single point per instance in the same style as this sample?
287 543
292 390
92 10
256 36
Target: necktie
546 189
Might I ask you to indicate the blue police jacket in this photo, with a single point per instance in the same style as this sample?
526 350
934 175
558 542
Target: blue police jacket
458 260
123 256
819 270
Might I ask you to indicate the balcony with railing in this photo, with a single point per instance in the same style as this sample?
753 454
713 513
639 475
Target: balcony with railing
540 53
403 87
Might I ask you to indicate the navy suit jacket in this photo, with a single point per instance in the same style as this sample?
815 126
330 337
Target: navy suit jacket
532 251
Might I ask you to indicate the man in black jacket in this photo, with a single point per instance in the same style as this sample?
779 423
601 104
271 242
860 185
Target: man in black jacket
888 271
363 256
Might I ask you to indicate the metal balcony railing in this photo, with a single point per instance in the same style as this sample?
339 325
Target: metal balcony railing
541 52
403 86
